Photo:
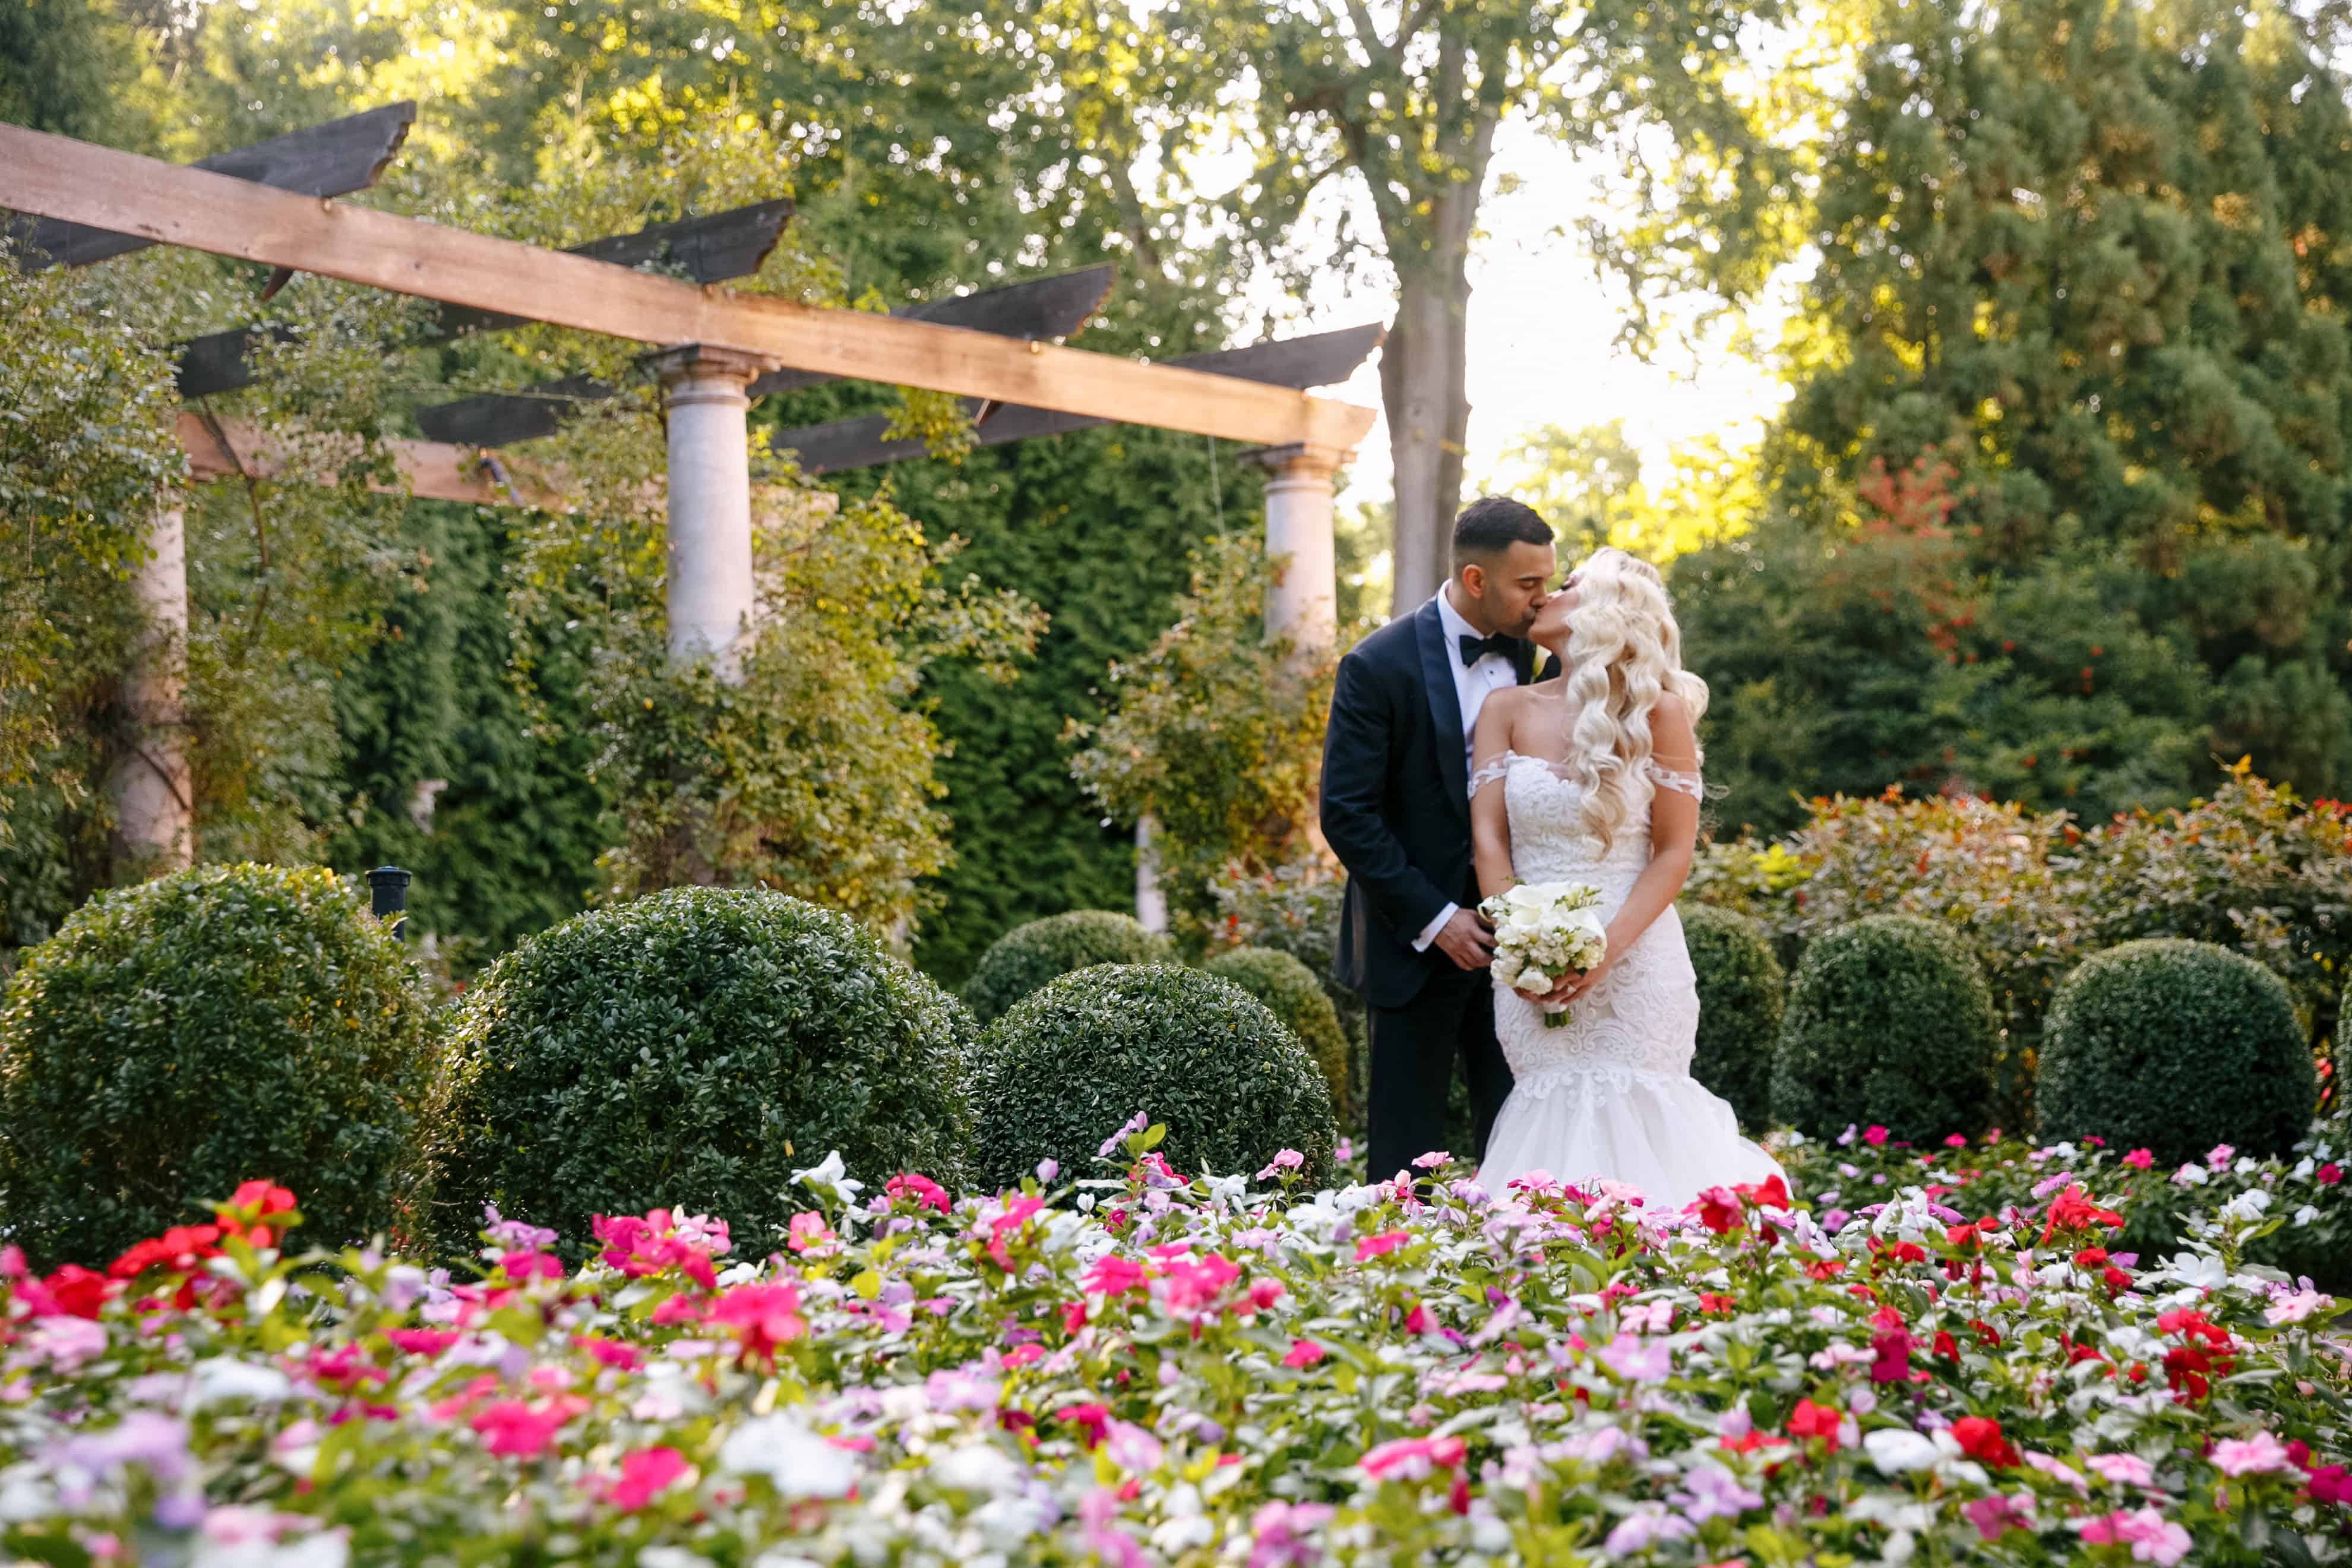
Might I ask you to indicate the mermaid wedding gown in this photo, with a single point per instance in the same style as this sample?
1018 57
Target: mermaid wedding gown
1609 1094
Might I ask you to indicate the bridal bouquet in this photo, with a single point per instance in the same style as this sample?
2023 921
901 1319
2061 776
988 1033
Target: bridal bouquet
1542 930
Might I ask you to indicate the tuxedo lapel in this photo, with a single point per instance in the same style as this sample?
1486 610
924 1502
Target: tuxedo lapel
1445 708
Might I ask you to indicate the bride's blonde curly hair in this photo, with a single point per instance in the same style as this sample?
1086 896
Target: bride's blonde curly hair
1624 651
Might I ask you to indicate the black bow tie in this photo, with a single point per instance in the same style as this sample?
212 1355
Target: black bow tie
1476 648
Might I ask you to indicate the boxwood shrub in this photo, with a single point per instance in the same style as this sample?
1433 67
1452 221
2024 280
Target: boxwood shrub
692 1049
1741 995
1889 1021
178 1038
2174 1046
1027 956
1070 1063
1289 990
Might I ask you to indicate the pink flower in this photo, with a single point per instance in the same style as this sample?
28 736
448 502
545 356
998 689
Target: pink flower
422 1341
2250 1456
2152 1537
927 1193
1264 1293
607 1353
1278 1533
1016 1213
1873 1136
2219 1156
807 1229
1957 1140
1303 1354
644 1472
1412 1459
1112 1276
1190 1288
1636 1360
2139 1158
1130 1448
1136 1124
1283 1160
1430 1161
1373 1247
2294 1306
533 1265
1091 1420
762 1316
2123 1469
514 1428
1996 1515
2327 1175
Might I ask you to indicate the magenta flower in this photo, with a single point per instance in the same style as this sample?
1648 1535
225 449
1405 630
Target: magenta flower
1373 1247
1303 1354
1996 1515
643 1473
1112 1276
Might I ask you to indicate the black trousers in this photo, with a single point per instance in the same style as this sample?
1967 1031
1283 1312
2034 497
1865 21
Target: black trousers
1413 1049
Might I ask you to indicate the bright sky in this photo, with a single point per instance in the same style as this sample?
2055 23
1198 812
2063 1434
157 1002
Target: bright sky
1541 328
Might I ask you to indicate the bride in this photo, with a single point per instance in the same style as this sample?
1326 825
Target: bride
1592 776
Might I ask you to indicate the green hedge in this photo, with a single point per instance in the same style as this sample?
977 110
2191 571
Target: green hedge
1742 992
2176 1045
176 1038
1028 956
1889 1022
692 1049
1063 1069
1290 992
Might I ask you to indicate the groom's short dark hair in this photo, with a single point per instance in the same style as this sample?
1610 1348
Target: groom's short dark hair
1492 524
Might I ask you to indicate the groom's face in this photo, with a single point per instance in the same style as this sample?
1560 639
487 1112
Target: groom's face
1509 589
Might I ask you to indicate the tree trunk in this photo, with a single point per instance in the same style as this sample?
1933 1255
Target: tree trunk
1425 378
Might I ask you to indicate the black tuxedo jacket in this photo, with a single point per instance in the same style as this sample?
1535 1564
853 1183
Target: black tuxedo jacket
1396 802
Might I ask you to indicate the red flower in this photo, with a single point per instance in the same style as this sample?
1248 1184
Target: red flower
1718 1210
1979 1439
2074 1210
2205 1350
1771 1192
180 1250
2327 1175
72 1291
1812 1420
1708 1302
1946 1348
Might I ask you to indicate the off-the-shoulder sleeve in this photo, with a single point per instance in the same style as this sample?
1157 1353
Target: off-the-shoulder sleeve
1691 785
1489 773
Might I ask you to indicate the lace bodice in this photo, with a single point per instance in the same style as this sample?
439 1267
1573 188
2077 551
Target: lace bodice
1642 1016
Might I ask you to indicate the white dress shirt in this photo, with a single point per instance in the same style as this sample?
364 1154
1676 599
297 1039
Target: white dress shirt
1472 684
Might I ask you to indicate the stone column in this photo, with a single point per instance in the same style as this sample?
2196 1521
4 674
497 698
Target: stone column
1151 901
149 788
1302 605
710 589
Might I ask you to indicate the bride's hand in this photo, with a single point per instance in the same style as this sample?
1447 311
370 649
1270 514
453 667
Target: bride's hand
1573 985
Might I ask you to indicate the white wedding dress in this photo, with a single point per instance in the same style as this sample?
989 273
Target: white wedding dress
1608 1094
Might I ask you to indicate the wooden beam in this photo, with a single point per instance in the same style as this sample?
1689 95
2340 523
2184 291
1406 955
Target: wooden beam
434 471
1319 360
54 176
331 160
1052 307
711 249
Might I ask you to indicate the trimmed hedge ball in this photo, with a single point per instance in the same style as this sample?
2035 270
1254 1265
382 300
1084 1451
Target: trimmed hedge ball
1889 1022
2175 1046
180 1036
1741 995
1290 991
692 1050
1068 1065
1028 956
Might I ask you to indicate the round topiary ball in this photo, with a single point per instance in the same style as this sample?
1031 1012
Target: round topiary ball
1889 1022
1742 990
692 1050
1027 956
1290 992
1068 1065
2175 1046
180 1036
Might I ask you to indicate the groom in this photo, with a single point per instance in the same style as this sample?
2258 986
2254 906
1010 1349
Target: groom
1396 810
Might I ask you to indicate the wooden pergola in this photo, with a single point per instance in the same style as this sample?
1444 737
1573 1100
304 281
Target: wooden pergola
715 351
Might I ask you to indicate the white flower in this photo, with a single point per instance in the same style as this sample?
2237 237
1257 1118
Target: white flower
224 1378
1896 1449
799 1463
831 1172
2247 1206
2306 1215
977 1468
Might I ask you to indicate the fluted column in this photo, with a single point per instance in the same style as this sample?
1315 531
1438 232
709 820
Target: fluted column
149 787
1302 604
711 588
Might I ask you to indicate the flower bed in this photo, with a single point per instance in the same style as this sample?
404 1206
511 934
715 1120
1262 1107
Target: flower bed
1153 1369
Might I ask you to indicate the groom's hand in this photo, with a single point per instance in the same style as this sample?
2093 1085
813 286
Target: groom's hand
1465 939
